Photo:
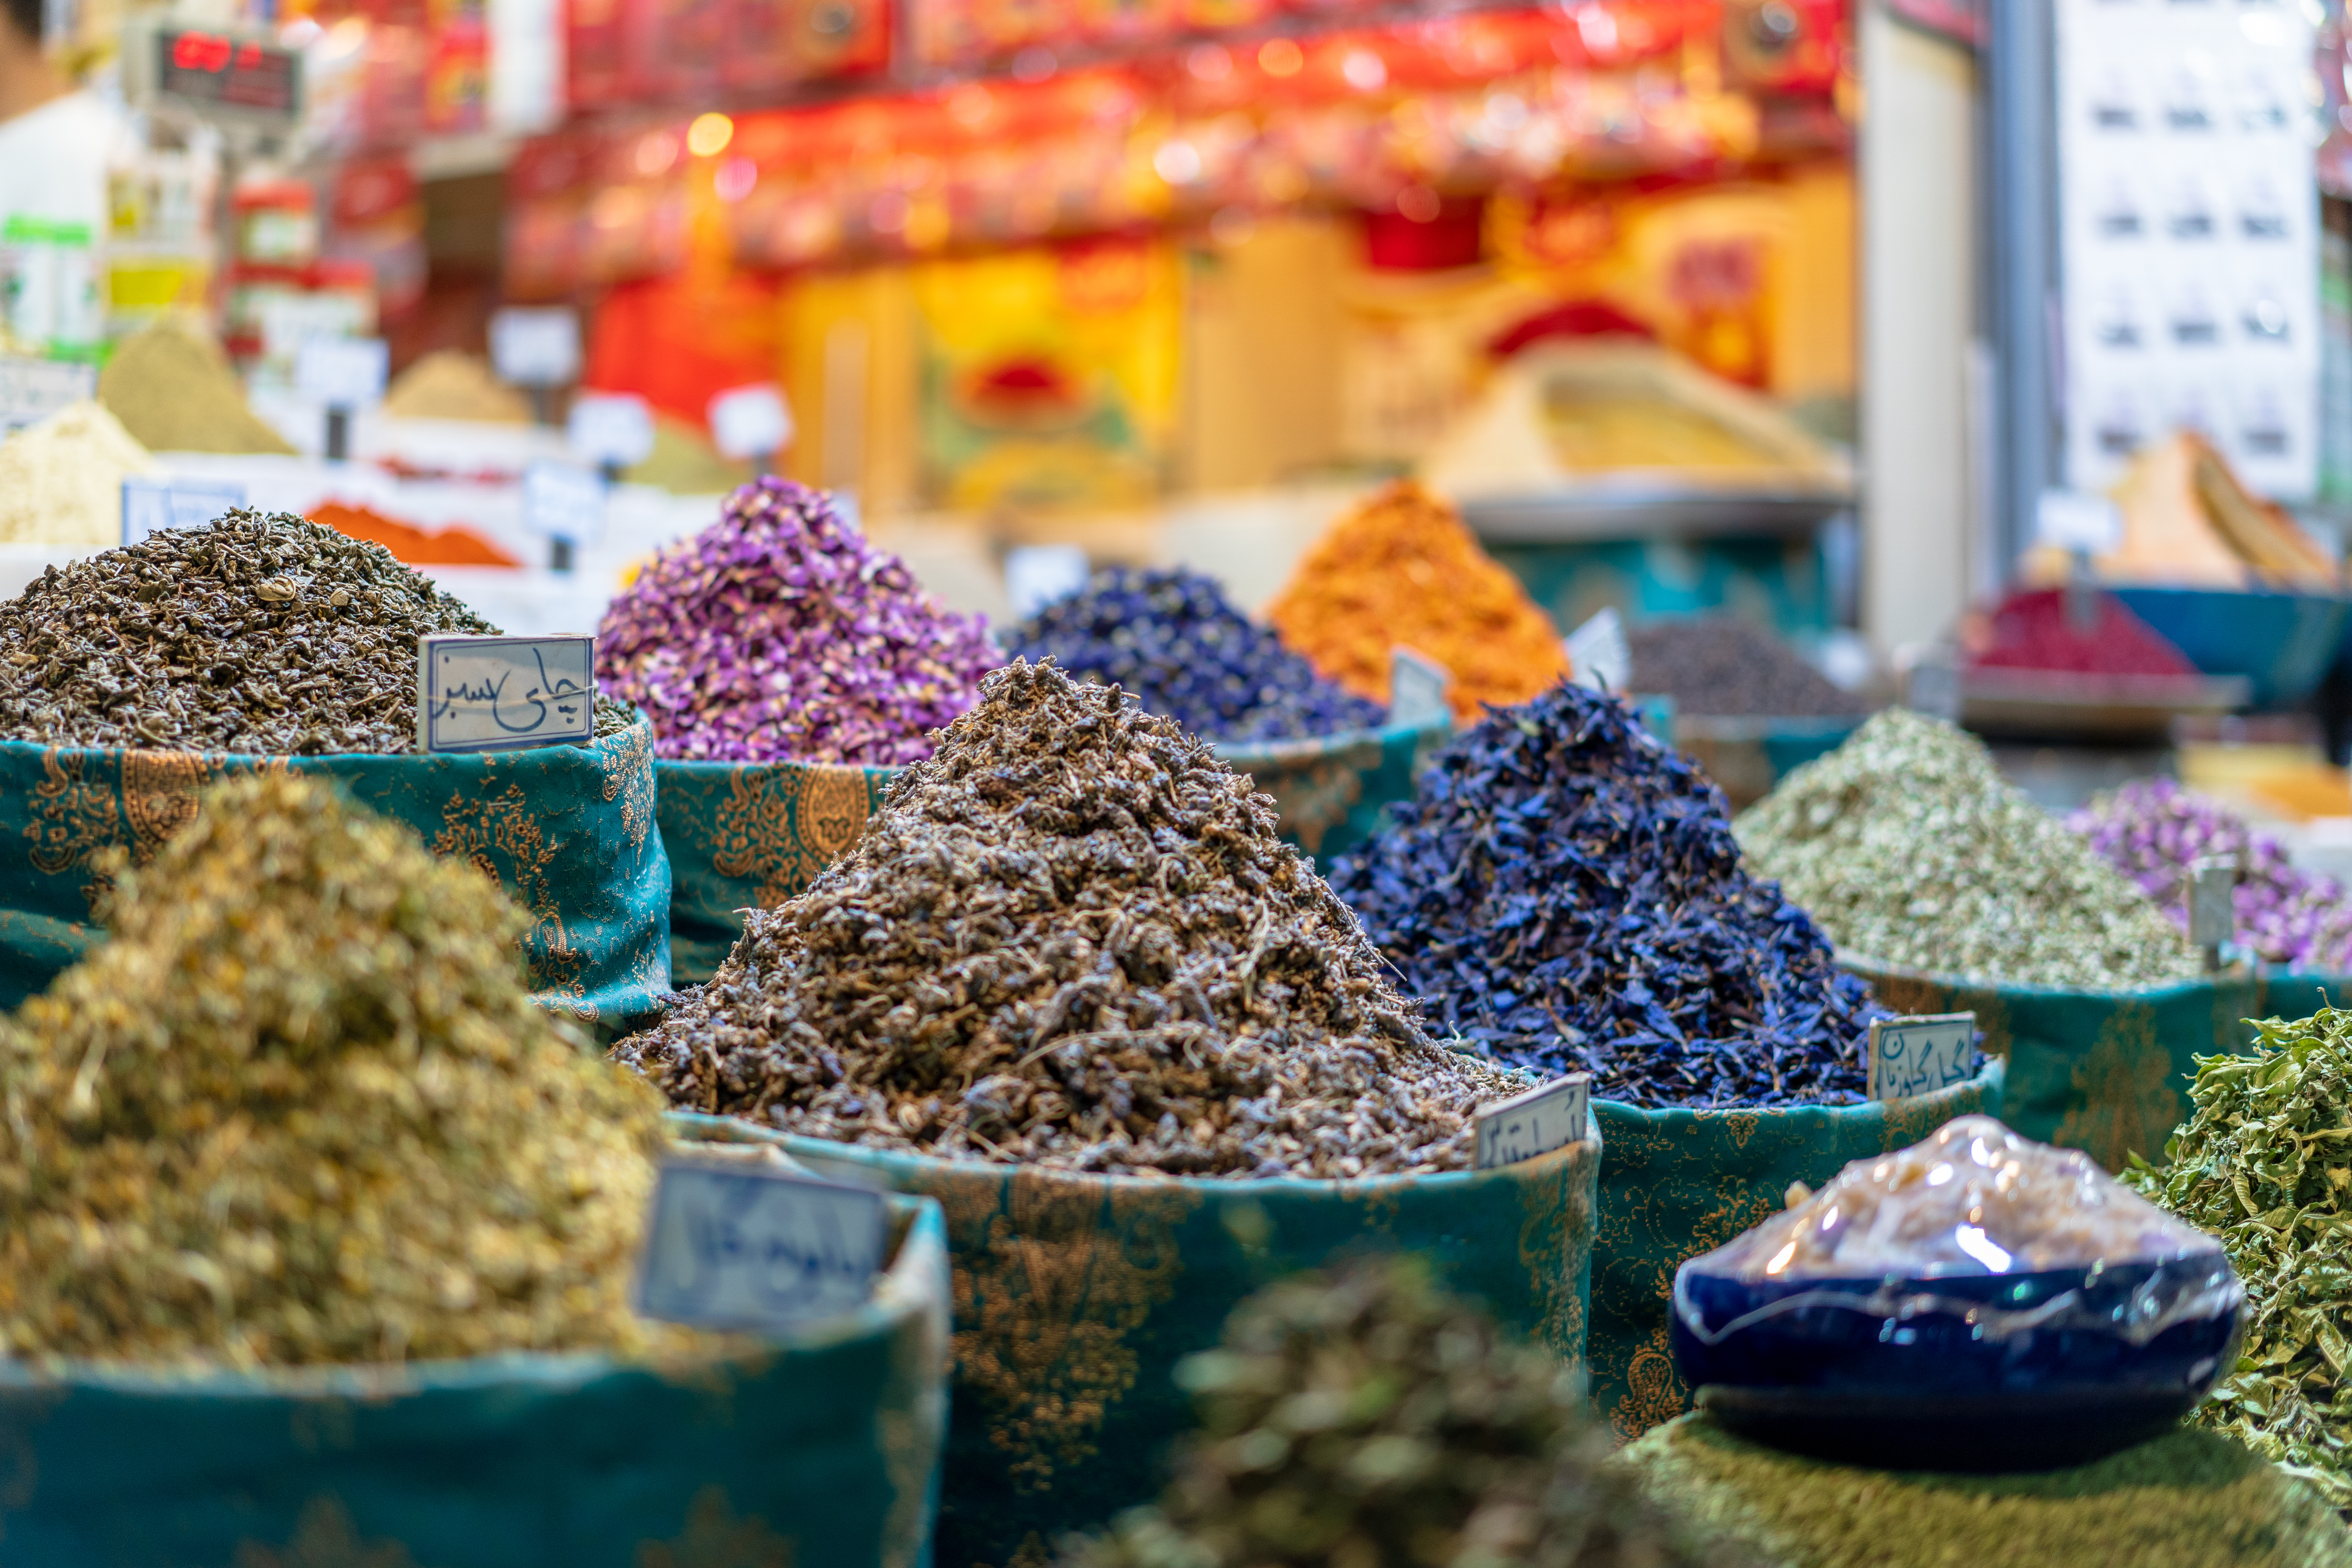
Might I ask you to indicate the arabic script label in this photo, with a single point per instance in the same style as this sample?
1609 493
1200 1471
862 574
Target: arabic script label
1922 1054
504 694
743 1248
1535 1122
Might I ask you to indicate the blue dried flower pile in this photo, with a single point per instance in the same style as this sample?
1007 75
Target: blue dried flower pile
1172 640
1565 892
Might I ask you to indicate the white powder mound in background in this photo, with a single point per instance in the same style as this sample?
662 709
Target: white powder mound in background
61 479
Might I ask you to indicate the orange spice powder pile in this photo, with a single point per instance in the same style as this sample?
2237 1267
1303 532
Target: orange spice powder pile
1401 568
453 546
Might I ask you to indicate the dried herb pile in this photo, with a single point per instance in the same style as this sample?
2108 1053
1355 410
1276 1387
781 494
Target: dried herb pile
302 1109
1909 848
1717 665
778 632
1401 568
257 632
176 391
1368 1419
1565 892
1172 640
2155 832
2261 1164
1072 937
2187 1499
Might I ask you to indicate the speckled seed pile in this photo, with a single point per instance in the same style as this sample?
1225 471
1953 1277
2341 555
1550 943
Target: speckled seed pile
1072 937
1909 848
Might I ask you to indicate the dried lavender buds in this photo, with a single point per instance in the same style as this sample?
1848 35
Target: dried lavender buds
779 633
257 633
300 1109
1073 938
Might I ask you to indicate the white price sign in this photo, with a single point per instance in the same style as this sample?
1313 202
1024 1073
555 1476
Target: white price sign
1037 575
152 506
1598 654
732 1246
1417 688
2073 519
535 345
751 421
562 501
33 389
341 373
1922 1054
504 694
1535 1122
610 428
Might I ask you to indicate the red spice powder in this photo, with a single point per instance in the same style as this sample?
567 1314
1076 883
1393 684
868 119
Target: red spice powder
2031 629
453 546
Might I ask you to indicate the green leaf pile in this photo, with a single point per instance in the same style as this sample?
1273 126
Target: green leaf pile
2264 1162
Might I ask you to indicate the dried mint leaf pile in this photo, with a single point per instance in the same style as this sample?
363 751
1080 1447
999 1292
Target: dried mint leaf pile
302 1109
2261 1163
258 632
1368 1419
1567 892
1172 639
779 633
1072 937
1910 848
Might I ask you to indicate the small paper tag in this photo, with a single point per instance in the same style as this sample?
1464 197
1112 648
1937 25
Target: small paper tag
33 389
738 1247
504 694
1920 1054
152 506
1037 575
535 345
1598 654
1417 688
2212 911
563 500
341 373
2074 519
615 428
1533 1123
751 421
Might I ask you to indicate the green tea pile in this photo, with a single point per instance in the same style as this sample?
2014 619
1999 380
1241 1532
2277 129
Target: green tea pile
257 632
1072 937
300 1109
2187 1499
1370 1420
1908 847
2262 1163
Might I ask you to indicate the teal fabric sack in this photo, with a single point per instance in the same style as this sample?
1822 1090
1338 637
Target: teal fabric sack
1679 1182
568 831
755 834
2298 994
820 1450
1076 1296
2107 1072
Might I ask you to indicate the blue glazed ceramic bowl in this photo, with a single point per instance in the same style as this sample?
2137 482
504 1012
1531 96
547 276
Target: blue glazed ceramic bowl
1980 1373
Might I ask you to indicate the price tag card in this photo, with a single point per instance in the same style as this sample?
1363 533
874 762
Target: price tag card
33 389
1599 653
1533 1123
1922 1054
2212 903
610 428
535 345
504 694
1037 575
2074 519
562 501
1417 686
151 506
751 421
737 1247
341 373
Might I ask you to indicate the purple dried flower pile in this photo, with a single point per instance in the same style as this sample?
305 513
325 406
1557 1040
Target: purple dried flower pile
2153 831
779 633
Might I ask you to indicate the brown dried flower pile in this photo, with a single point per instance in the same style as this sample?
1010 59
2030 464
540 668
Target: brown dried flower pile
300 1109
1072 937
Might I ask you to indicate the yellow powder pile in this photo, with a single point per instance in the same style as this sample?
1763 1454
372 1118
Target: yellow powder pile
176 391
61 479
448 384
1401 569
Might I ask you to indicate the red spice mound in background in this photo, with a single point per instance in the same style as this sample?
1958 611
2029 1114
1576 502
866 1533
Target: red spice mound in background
2031 629
453 546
